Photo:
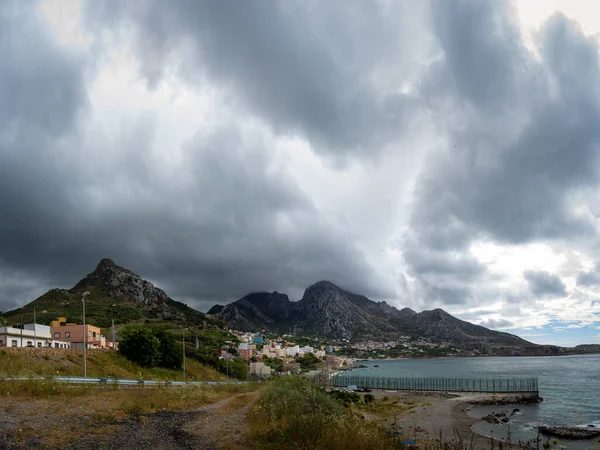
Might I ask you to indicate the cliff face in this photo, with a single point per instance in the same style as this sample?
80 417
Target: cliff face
118 282
329 311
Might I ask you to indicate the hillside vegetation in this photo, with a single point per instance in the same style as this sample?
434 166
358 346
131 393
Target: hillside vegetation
104 364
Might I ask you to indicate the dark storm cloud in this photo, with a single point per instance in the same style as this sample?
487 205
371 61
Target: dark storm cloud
543 283
221 223
522 134
305 68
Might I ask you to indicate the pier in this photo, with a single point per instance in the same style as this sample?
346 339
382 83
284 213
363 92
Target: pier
429 384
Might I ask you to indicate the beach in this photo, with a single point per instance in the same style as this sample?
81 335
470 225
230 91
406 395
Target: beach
436 415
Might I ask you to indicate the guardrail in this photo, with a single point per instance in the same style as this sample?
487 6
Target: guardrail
123 381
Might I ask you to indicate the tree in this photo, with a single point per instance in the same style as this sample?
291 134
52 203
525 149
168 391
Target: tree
141 346
151 348
171 356
3 321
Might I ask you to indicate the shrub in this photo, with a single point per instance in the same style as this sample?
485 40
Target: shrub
294 413
369 398
150 348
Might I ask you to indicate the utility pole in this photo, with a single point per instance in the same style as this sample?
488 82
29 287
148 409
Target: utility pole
85 336
183 336
34 329
21 330
113 327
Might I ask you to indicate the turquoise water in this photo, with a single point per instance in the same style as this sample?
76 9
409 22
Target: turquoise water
569 385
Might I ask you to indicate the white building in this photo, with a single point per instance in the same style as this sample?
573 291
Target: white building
304 350
260 369
292 351
37 336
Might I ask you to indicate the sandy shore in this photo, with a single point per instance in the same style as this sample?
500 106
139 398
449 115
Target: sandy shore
434 416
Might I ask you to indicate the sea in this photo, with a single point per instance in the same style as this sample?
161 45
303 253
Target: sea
569 385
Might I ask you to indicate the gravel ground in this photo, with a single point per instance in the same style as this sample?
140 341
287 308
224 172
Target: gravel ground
212 427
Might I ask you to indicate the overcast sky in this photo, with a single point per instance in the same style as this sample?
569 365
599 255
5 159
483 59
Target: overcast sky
430 154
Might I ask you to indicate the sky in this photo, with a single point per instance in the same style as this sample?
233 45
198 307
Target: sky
432 154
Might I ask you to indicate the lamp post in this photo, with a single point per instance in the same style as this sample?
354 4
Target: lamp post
34 329
183 335
113 326
226 360
83 296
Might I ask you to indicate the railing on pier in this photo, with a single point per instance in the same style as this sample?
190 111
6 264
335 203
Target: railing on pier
484 385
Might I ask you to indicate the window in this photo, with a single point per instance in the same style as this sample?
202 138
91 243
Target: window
14 343
67 334
56 335
56 345
29 344
39 344
1 342
94 334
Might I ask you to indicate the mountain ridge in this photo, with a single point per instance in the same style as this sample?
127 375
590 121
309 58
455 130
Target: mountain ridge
329 311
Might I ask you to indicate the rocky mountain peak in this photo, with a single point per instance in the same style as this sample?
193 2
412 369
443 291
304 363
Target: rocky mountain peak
121 283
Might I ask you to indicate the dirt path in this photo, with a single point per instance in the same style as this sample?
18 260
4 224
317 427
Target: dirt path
217 426
222 425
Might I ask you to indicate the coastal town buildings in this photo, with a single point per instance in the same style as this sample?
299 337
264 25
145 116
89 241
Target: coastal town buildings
261 370
75 335
30 335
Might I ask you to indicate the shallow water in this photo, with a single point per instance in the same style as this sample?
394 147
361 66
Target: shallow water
570 386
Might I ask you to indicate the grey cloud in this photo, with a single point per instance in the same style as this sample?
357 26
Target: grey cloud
591 278
496 323
543 283
306 69
522 135
218 225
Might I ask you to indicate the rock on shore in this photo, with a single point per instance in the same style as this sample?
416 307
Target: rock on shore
570 432
508 400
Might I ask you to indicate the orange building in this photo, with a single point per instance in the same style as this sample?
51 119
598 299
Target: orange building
76 335
245 354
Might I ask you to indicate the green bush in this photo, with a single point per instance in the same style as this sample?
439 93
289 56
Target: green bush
369 398
151 348
345 398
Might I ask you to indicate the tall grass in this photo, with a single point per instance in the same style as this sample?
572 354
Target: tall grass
294 413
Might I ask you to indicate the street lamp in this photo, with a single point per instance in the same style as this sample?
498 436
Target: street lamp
183 335
83 296
113 326
226 360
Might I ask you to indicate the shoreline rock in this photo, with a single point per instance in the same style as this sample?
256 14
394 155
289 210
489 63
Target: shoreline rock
570 432
509 400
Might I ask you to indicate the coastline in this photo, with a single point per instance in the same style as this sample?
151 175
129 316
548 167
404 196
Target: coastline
444 416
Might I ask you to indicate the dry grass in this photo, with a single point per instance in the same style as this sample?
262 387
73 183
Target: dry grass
71 414
388 408
100 363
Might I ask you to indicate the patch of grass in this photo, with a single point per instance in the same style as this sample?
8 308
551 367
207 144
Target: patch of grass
294 413
387 408
40 388
100 363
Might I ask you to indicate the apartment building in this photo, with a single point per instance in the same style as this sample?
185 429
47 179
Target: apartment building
30 335
76 334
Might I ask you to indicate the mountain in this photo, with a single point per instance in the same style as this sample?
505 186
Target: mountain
329 311
134 300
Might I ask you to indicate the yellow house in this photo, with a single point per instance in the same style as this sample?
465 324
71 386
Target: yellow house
60 322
